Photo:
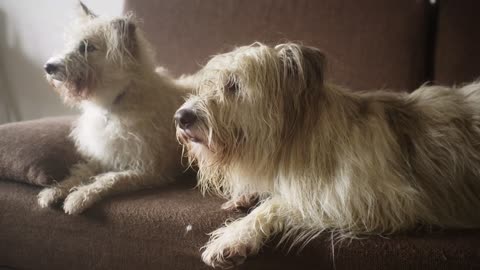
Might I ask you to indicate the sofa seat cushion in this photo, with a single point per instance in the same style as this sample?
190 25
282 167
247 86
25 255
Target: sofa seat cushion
148 230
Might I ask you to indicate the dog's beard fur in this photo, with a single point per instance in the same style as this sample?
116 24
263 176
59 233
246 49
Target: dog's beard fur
350 162
236 117
125 131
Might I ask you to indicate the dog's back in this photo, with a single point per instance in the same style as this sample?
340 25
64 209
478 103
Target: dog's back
396 161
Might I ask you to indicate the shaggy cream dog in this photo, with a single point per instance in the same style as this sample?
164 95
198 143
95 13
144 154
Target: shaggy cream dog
323 158
125 131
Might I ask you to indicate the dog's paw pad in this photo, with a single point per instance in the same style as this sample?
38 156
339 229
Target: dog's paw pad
49 196
77 202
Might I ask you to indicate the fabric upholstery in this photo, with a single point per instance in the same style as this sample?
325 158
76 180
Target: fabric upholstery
37 152
369 44
148 230
457 52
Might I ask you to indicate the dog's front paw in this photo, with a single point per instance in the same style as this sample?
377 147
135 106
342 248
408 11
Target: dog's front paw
78 201
225 256
223 252
49 196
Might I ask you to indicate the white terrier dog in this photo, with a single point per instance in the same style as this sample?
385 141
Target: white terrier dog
324 158
125 131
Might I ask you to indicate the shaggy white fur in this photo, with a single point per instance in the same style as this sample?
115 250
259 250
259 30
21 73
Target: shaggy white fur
125 132
324 158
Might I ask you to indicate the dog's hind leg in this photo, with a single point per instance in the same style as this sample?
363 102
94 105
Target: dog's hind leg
80 173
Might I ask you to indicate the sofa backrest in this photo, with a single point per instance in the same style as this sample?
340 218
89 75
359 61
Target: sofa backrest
457 52
369 44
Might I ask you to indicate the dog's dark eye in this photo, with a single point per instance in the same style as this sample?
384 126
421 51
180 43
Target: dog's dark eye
85 47
231 86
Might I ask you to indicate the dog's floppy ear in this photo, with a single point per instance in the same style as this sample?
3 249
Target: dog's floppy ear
314 64
303 63
303 79
125 29
85 12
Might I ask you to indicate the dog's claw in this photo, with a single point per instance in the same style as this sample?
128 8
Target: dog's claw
242 204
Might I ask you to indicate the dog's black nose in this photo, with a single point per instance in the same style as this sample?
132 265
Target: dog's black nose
50 68
185 118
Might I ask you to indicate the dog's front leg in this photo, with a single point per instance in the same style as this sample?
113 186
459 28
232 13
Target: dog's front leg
231 244
80 173
103 185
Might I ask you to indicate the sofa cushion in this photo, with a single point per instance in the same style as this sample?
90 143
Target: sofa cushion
457 52
165 229
369 44
36 152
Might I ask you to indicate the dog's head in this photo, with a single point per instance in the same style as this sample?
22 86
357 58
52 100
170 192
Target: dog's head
99 55
249 102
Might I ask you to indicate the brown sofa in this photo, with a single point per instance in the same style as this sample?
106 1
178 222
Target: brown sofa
370 44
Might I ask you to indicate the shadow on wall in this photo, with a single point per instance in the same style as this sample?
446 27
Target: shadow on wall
24 92
8 110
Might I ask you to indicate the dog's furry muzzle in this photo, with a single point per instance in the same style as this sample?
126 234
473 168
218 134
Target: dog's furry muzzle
70 76
187 123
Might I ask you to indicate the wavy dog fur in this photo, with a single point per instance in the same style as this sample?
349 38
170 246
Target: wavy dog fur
125 131
325 158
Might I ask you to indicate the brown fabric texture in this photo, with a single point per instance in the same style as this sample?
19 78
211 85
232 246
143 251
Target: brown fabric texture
37 152
148 230
369 44
457 52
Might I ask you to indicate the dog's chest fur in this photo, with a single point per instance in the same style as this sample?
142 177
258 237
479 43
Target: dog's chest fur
105 138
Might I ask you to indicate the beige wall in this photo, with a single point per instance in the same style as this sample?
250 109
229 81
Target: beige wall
30 32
